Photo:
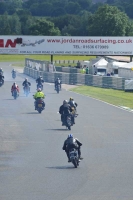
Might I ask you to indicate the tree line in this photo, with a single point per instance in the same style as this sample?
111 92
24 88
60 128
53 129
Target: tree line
104 20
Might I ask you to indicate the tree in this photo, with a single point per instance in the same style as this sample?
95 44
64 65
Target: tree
5 25
85 4
109 21
16 3
15 25
72 8
43 27
58 12
3 8
129 10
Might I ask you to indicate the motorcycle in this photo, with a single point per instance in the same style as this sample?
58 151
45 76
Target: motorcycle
57 88
13 75
15 94
40 105
1 82
74 158
40 86
68 122
27 89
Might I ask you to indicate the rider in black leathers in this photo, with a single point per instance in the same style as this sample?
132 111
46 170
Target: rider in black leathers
39 81
2 77
64 110
25 83
58 82
70 143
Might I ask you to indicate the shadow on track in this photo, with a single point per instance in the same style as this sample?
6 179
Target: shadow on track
57 129
8 99
61 167
30 113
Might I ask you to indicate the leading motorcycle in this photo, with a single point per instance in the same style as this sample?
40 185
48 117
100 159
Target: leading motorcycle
74 158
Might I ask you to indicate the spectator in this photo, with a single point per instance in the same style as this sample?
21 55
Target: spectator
87 70
78 64
108 74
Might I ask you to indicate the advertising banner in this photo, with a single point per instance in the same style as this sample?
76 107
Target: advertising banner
66 45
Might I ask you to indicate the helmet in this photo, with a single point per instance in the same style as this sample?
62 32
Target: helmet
70 136
71 98
57 78
39 89
65 101
40 76
26 79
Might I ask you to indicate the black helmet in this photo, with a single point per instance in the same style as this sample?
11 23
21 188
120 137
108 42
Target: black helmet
70 136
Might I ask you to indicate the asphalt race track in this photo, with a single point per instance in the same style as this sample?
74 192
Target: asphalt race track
33 165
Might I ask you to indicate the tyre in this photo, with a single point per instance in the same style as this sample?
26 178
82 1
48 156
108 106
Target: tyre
39 110
75 163
15 95
69 127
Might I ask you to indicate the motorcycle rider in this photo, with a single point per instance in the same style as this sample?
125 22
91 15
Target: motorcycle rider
15 86
57 82
72 103
1 78
13 72
70 143
25 83
39 95
39 81
65 110
1 71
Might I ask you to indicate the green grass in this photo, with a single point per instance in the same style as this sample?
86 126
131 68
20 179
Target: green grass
20 58
115 97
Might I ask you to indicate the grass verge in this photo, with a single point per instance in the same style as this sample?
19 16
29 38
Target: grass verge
115 97
16 58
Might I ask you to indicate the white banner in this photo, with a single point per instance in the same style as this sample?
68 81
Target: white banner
66 45
129 85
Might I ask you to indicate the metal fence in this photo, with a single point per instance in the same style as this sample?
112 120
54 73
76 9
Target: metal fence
76 78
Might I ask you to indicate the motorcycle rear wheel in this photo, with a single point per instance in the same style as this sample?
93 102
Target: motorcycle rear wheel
75 163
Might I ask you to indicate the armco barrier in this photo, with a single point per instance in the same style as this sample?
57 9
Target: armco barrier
76 78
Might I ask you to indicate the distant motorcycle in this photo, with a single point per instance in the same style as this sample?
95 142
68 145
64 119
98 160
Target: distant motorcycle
74 158
40 86
57 88
13 75
26 89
